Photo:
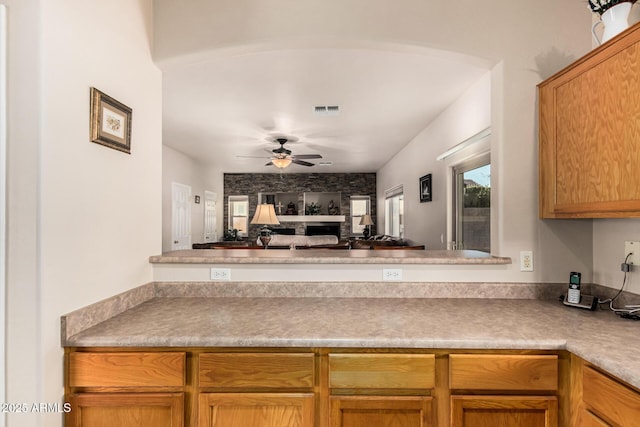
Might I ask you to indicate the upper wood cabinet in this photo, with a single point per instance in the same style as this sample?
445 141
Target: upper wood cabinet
589 134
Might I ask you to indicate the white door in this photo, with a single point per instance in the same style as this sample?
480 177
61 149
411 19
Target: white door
180 216
210 199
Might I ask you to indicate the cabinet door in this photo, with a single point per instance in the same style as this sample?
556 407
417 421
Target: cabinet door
504 411
126 410
589 160
609 399
587 419
256 410
367 411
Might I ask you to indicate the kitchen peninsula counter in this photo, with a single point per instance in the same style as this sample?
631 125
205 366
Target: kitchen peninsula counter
328 256
190 318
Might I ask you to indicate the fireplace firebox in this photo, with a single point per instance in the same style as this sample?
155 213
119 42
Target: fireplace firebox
323 230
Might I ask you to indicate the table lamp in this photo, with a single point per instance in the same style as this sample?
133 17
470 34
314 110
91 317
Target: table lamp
366 221
265 215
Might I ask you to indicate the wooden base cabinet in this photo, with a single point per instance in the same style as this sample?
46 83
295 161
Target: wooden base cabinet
382 390
125 389
321 387
386 411
254 389
602 400
126 410
587 419
499 384
256 410
507 411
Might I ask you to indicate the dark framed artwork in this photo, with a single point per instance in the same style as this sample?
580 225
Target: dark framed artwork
425 188
110 122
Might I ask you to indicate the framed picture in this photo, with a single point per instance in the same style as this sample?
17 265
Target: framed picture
425 188
110 122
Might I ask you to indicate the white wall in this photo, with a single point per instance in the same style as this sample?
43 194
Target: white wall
84 218
180 168
23 358
426 223
609 236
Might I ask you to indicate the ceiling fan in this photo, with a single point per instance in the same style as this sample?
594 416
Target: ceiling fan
283 157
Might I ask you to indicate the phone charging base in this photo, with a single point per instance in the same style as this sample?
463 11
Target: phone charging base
588 302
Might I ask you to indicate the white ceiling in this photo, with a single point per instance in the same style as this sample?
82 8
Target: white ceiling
229 106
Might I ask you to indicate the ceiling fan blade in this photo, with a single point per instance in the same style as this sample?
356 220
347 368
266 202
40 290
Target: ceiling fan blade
307 156
269 164
301 162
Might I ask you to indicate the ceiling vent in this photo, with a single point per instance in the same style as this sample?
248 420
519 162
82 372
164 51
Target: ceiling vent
325 163
326 110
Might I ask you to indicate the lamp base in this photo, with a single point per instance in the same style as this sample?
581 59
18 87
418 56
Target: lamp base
366 232
265 239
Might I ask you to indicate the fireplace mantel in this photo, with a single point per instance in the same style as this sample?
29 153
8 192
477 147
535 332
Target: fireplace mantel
311 218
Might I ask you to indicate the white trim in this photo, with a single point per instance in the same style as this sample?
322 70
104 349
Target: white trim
3 203
466 143
394 191
311 218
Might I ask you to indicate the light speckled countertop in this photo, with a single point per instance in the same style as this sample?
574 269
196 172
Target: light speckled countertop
599 337
326 256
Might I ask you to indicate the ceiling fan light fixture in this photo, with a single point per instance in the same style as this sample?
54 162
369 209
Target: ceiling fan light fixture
281 163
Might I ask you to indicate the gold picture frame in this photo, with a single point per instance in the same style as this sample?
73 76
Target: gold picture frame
110 122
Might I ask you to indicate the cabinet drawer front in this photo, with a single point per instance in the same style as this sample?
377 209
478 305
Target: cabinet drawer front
257 370
490 411
382 371
609 399
503 372
127 369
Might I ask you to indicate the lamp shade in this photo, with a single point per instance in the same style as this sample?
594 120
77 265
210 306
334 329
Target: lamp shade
265 214
281 163
366 220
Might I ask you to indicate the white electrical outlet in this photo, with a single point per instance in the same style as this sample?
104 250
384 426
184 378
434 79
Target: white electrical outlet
526 261
631 247
220 274
391 274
